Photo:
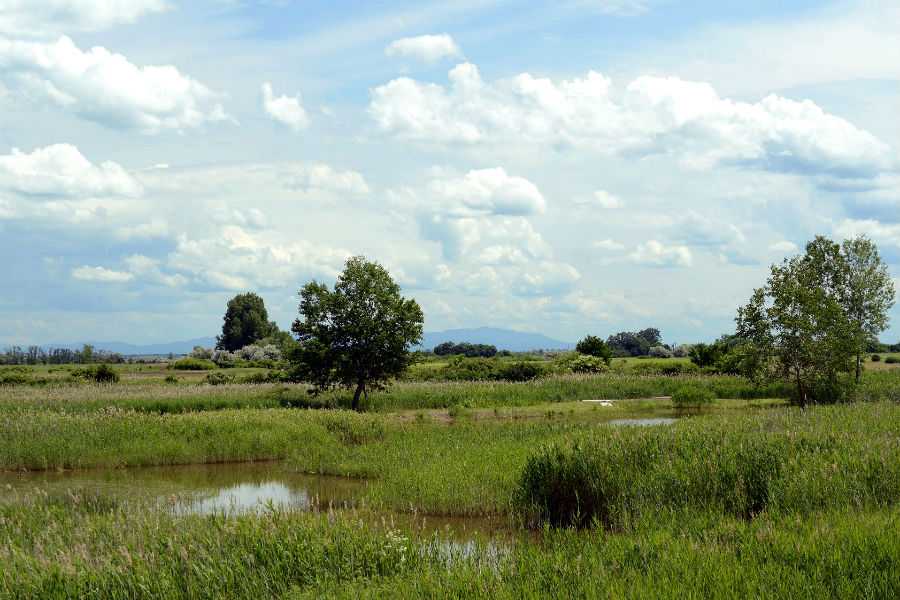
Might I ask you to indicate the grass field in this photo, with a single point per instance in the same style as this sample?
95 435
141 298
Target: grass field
746 497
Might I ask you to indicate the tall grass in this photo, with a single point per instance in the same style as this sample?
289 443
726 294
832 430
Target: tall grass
786 460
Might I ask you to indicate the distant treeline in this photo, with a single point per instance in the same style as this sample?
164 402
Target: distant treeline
36 355
465 349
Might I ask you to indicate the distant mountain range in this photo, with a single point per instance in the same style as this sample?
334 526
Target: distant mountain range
503 339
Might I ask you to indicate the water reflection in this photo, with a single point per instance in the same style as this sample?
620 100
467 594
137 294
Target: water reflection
239 488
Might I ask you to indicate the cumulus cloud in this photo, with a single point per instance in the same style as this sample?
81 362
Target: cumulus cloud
304 178
650 115
784 246
655 254
101 275
106 88
481 220
610 245
602 199
41 17
237 259
427 48
286 110
61 170
885 233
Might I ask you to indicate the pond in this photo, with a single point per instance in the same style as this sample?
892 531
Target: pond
237 488
646 422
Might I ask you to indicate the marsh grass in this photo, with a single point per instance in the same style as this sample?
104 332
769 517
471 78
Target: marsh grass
786 460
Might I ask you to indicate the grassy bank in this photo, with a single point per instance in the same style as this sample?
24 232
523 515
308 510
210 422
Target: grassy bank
74 547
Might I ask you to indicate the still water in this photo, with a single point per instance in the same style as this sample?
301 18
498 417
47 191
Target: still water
236 488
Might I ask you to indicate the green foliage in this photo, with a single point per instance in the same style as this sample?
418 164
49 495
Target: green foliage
813 319
876 358
520 371
103 374
593 346
192 364
358 335
587 364
171 379
219 378
465 349
892 360
627 343
692 396
783 461
246 321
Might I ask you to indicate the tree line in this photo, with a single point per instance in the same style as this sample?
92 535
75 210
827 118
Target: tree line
36 355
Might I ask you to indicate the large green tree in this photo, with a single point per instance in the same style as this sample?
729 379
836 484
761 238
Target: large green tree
809 323
246 321
591 345
357 335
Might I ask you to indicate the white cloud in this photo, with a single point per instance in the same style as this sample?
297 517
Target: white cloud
153 229
61 170
303 178
651 115
886 233
603 199
286 110
487 191
101 275
611 245
235 259
653 253
427 48
106 88
783 246
40 17
148 269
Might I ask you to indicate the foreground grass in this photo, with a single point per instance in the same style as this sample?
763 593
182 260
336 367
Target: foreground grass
86 548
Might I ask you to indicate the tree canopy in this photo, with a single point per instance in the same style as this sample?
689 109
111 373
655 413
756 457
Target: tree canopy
246 321
592 345
811 322
628 343
357 335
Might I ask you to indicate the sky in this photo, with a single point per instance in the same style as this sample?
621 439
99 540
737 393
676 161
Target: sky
564 167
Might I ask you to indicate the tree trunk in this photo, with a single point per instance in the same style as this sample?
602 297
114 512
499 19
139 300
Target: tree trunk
360 390
801 393
858 367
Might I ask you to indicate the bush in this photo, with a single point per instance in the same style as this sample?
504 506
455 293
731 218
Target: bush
219 379
692 396
583 363
892 360
98 374
171 379
192 364
876 358
594 346
520 371
661 352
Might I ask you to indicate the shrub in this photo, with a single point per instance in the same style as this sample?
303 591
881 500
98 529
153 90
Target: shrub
876 358
98 374
171 379
192 364
892 360
520 371
202 353
584 363
219 379
692 396
594 346
661 352
257 378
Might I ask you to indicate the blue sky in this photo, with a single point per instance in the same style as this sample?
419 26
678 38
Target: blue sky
563 167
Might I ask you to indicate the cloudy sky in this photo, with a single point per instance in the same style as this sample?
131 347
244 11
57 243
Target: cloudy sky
567 166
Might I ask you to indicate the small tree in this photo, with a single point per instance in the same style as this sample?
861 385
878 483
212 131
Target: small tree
594 346
807 324
246 321
870 293
359 335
